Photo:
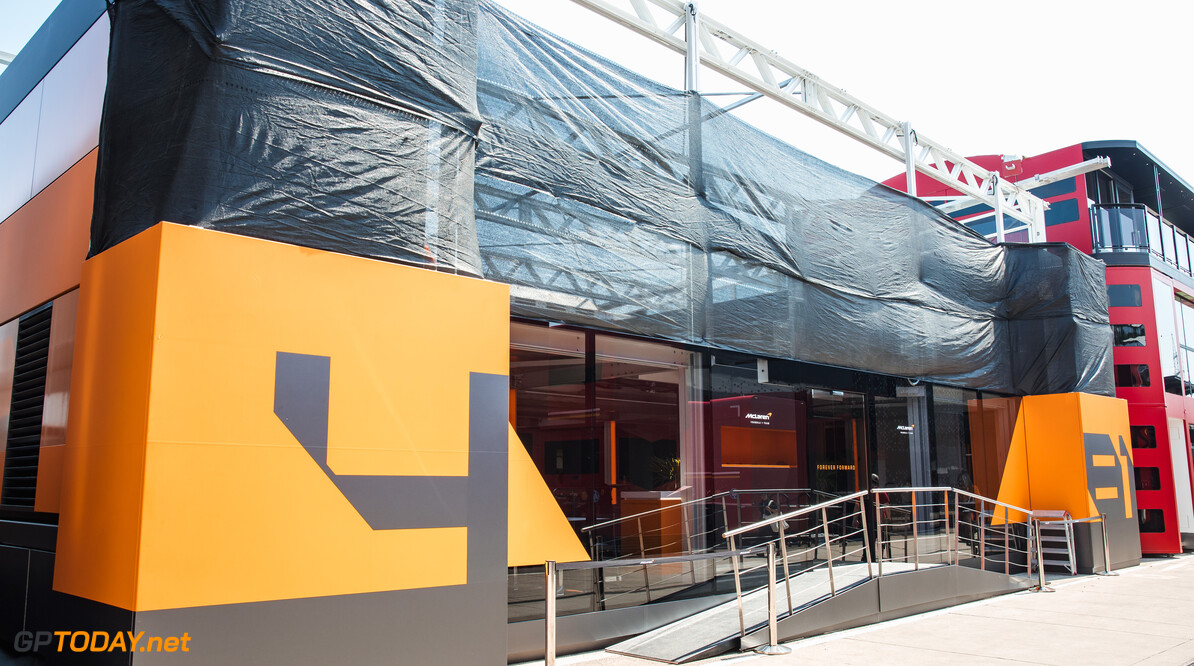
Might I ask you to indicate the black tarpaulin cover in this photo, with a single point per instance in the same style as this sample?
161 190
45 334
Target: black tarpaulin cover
453 134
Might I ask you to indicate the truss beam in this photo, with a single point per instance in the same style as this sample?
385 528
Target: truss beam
764 71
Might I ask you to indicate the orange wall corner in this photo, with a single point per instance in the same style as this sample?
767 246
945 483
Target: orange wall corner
538 529
104 457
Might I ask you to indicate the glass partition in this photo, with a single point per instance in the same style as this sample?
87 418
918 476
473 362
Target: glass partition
1168 250
1136 228
1154 232
1167 338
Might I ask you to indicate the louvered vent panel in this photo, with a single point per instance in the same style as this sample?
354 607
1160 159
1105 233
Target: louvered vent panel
28 397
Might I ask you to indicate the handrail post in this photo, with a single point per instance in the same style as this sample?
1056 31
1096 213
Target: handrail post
948 554
686 530
1106 547
549 617
642 553
828 551
737 585
957 526
879 530
982 535
783 549
725 516
773 646
1042 585
1028 545
915 538
1007 554
866 538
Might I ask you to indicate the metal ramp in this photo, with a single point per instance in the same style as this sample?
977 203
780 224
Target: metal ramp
719 629
852 560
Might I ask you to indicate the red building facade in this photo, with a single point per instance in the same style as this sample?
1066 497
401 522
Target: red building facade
1136 216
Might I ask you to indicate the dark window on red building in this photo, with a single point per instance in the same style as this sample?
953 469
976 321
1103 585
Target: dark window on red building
1148 478
1151 520
1144 437
1128 335
1131 375
1124 295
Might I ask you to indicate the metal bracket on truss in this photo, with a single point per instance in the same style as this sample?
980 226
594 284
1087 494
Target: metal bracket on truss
764 71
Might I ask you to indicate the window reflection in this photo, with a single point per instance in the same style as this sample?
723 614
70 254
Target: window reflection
604 447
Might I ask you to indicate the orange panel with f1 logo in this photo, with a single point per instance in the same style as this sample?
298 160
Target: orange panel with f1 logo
254 421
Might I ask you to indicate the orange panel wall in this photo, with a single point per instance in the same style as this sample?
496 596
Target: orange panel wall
183 488
43 244
104 464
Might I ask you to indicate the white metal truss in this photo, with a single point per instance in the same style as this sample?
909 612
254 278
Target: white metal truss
953 204
761 69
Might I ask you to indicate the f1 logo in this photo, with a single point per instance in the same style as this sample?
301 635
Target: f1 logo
301 399
1108 473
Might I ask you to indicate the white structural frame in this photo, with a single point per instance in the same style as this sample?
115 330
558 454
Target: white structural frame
950 205
761 69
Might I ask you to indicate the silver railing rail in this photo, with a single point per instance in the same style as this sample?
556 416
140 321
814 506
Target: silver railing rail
812 536
931 525
990 531
640 532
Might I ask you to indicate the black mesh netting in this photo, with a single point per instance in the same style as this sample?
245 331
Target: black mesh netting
457 136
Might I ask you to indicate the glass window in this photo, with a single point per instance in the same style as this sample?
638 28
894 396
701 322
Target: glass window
1186 312
951 424
1151 520
1144 437
1166 334
1128 335
1131 375
1185 316
1148 478
606 437
1124 295
992 426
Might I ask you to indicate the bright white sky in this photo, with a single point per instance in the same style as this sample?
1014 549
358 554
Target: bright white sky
1013 77
19 19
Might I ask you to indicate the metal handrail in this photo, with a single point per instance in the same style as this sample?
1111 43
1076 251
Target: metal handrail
988 500
611 564
785 517
673 507
952 521
724 493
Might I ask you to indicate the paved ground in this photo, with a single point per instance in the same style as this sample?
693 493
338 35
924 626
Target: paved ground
1145 616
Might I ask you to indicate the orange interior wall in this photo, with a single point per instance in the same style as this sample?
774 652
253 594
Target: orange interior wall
757 447
656 534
